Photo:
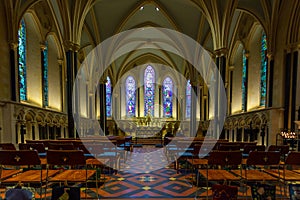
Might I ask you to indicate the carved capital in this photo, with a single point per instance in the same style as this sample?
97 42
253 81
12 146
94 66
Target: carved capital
221 52
60 61
43 46
103 80
69 45
247 54
13 45
270 55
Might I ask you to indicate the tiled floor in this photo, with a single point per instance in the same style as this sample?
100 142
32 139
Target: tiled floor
146 174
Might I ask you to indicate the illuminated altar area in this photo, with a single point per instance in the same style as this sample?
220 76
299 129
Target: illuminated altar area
146 105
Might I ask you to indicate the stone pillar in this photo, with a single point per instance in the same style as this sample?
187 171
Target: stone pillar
70 71
247 80
71 58
13 71
218 112
102 89
294 89
160 101
193 123
287 89
270 80
62 83
230 88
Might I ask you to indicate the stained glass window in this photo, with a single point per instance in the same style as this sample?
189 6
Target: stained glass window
263 70
108 97
130 97
45 75
188 94
244 81
167 97
149 90
22 61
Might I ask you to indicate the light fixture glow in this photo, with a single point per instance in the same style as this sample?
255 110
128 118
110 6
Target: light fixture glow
142 8
157 9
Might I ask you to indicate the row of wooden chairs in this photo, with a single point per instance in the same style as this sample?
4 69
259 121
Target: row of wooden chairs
228 166
73 162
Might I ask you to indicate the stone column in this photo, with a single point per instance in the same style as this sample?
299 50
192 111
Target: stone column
71 58
102 89
160 101
218 112
62 83
247 80
70 79
13 71
193 122
270 80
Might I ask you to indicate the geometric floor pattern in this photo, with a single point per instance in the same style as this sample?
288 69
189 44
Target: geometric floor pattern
146 174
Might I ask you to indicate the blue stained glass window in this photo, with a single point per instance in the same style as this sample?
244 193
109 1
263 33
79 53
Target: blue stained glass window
108 97
149 90
244 81
167 97
188 94
22 61
45 76
130 97
263 70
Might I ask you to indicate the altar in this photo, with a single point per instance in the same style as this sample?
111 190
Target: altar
148 131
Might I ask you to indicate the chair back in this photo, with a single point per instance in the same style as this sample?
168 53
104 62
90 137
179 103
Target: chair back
263 158
19 157
248 148
33 146
7 146
65 157
229 147
225 158
61 146
293 158
283 149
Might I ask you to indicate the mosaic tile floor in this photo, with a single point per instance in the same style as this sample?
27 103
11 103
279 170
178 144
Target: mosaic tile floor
146 174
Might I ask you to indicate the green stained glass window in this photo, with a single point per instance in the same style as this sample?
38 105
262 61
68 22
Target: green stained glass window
22 61
263 70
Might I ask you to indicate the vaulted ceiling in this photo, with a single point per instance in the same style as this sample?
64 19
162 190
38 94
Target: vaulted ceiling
215 24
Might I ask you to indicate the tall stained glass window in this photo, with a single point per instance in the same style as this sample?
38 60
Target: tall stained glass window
108 97
22 61
149 90
167 97
45 76
263 70
130 97
188 94
244 81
